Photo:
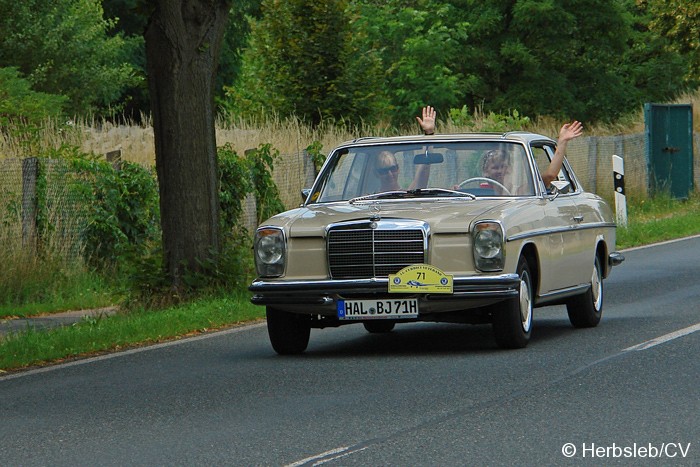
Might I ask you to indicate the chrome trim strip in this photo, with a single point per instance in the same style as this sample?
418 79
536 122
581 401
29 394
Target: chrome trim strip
562 293
539 233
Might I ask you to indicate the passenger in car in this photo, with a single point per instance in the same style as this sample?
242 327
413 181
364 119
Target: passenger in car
567 132
498 167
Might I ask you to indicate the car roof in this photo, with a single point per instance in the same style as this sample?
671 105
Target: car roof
515 136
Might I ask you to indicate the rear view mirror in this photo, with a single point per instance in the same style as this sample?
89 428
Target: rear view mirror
428 158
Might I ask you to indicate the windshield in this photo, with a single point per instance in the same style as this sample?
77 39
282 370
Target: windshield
473 168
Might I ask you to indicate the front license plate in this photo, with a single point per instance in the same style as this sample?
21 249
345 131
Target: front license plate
378 309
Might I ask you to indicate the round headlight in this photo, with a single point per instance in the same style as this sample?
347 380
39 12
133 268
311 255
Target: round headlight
489 248
270 249
488 243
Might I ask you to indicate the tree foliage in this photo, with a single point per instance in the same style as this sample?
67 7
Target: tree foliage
62 48
588 59
301 60
130 18
19 104
678 21
373 61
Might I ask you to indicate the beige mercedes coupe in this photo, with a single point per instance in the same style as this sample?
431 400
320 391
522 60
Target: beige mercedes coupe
446 228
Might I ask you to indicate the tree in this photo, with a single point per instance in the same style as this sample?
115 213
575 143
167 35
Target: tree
183 43
62 48
418 44
679 22
296 57
302 60
19 104
131 17
592 59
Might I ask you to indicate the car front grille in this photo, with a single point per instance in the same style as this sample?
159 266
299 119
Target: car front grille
358 251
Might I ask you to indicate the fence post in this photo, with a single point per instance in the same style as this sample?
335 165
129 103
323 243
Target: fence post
114 158
620 197
593 163
30 169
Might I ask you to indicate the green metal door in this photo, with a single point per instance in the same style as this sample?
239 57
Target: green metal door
669 130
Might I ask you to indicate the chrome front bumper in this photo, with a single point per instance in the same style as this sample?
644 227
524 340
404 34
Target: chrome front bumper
326 292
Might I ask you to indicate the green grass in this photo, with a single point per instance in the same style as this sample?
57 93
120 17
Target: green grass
32 284
85 290
123 330
659 219
649 221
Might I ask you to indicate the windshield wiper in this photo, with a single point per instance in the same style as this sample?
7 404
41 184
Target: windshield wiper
381 195
417 193
439 192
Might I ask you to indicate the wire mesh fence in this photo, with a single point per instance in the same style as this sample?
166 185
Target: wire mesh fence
37 202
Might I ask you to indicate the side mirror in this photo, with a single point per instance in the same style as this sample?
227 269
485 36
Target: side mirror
305 192
559 187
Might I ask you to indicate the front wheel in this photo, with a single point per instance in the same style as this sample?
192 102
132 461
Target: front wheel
512 320
289 332
585 310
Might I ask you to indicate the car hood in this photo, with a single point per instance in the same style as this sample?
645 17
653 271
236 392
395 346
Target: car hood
443 215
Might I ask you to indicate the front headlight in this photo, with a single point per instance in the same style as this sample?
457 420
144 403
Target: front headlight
489 248
270 252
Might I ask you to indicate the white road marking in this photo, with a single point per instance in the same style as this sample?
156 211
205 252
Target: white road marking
318 456
665 338
345 454
337 453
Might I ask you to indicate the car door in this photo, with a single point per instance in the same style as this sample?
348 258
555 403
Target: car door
564 259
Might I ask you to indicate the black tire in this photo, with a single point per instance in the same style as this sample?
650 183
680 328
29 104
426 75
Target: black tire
379 326
289 332
585 310
512 320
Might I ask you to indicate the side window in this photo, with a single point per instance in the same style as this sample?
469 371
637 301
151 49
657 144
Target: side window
345 179
541 158
543 155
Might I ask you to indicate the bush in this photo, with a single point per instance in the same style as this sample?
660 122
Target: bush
121 207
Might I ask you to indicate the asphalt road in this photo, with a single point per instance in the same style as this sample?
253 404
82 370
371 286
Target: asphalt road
425 394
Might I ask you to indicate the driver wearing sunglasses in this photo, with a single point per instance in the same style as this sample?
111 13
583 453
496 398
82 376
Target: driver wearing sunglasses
387 170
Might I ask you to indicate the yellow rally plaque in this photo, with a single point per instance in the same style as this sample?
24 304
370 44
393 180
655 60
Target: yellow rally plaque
420 278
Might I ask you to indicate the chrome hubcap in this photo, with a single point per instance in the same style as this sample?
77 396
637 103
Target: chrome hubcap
597 287
525 302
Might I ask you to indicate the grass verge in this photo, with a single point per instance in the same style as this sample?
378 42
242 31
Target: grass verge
123 330
659 219
649 221
78 291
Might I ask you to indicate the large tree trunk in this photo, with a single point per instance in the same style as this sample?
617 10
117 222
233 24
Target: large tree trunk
183 41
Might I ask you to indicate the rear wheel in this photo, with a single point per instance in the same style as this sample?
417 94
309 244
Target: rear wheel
585 310
512 320
379 326
289 332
